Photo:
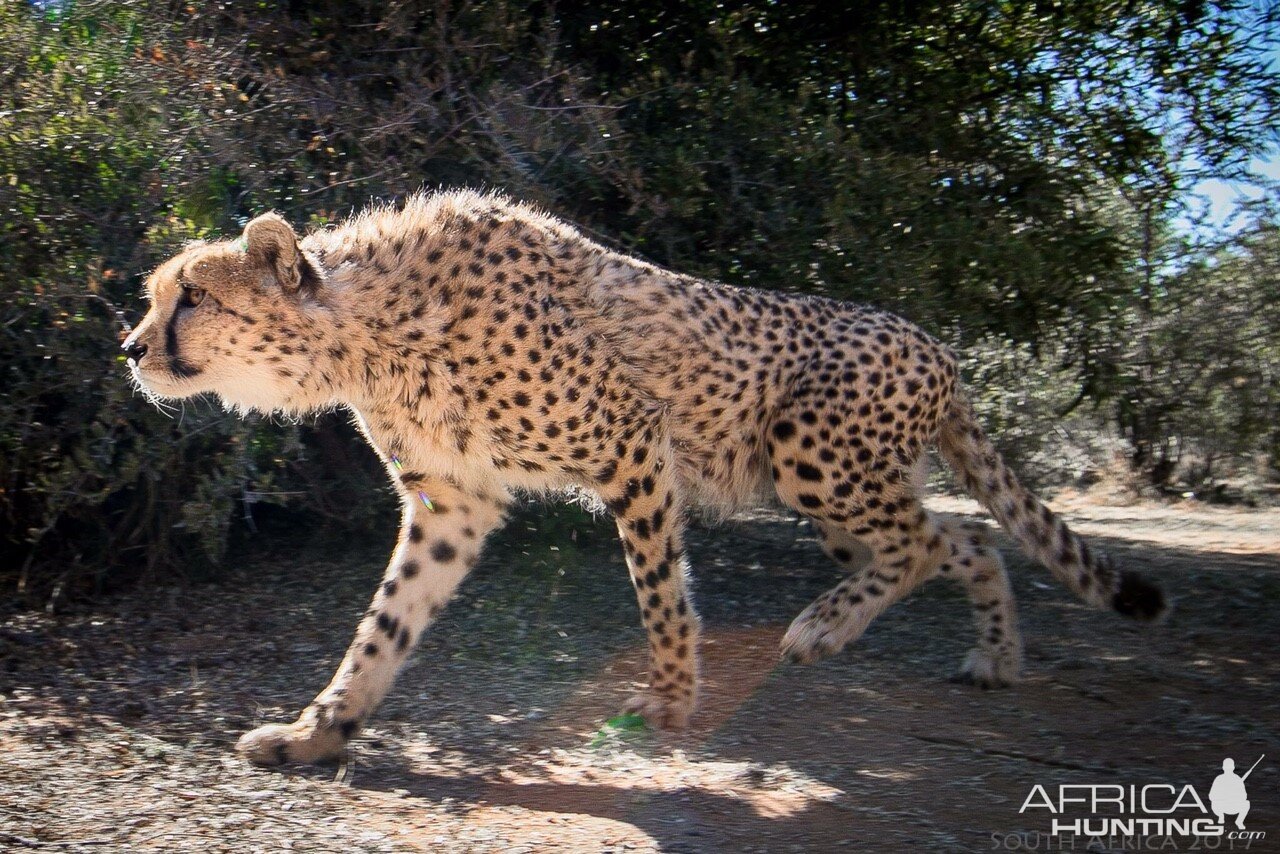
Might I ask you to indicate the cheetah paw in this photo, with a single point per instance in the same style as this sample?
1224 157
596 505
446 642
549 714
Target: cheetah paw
809 639
277 744
659 711
984 670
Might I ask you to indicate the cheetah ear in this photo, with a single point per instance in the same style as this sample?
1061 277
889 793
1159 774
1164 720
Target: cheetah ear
272 243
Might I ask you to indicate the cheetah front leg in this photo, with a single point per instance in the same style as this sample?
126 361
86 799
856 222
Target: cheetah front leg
651 524
437 548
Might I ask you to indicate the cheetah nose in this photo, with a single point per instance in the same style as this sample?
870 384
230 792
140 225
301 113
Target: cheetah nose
134 350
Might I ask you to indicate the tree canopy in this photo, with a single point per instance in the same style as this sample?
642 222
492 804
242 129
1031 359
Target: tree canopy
1009 174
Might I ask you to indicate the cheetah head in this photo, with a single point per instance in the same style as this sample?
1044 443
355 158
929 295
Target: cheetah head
225 318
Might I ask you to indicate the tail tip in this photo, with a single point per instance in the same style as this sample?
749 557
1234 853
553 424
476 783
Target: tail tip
1139 599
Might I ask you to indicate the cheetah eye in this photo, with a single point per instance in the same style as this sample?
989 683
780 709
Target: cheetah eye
192 297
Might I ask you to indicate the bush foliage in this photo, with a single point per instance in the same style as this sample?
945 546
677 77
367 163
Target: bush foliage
1011 175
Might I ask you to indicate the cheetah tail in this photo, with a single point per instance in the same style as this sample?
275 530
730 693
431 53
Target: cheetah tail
1042 534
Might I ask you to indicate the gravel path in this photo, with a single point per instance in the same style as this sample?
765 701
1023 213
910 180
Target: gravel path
116 723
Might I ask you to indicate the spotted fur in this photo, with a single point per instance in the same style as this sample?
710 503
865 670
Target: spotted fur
489 349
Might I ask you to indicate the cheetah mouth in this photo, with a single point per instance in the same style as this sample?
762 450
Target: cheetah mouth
168 380
183 369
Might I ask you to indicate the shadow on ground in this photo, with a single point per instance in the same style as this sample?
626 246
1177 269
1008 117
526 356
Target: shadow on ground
116 723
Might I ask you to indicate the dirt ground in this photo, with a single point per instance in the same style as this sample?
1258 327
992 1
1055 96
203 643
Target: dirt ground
117 722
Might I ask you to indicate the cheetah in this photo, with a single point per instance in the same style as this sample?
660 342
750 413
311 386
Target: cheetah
487 349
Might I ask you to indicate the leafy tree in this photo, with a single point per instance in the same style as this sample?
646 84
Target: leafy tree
1003 172
99 181
1198 380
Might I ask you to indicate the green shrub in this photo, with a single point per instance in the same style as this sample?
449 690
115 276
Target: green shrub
97 487
928 158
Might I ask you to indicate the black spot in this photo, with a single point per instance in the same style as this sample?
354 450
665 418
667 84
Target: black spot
807 472
784 430
443 551
415 534
409 569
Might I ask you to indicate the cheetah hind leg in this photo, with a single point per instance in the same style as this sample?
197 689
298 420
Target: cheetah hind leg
995 661
852 555
900 561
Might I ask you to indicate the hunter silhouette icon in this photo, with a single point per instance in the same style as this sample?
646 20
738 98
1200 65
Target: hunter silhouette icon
1227 796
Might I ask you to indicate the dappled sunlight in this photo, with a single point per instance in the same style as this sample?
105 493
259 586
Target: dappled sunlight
493 745
602 778
771 791
736 663
891 774
1189 525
